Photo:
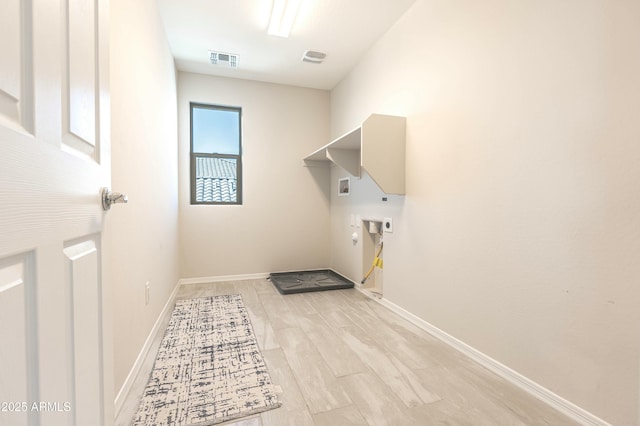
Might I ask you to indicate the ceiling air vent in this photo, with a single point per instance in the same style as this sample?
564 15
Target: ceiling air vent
223 59
314 56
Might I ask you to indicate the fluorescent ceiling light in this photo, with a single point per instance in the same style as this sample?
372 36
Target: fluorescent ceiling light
283 16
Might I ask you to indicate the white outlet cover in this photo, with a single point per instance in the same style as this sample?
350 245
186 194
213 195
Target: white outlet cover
387 224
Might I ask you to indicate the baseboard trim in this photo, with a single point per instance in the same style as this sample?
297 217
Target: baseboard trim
220 278
545 395
135 370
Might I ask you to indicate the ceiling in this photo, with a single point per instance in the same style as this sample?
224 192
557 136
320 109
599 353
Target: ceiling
343 29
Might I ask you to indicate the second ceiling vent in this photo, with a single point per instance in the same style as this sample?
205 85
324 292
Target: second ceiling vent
314 56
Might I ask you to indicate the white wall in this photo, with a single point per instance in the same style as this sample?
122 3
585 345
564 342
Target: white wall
520 230
141 237
283 221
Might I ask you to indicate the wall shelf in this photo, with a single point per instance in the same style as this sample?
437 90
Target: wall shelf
377 146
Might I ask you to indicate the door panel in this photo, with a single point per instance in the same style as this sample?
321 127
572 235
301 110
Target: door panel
16 70
17 326
82 75
10 46
84 281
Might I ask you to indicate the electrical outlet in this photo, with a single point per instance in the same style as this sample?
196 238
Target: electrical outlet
387 224
147 292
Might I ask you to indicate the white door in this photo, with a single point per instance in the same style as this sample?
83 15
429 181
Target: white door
54 157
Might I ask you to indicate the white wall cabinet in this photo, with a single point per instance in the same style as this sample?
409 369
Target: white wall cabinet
377 146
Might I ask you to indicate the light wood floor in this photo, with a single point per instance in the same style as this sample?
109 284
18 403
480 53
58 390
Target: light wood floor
343 359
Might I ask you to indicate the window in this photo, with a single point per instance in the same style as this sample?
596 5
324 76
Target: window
216 154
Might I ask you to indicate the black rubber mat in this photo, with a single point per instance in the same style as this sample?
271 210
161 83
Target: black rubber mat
305 281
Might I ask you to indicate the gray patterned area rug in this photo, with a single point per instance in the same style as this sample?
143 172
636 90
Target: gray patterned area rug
209 368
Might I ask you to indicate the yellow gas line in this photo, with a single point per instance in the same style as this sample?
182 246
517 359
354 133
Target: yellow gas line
376 262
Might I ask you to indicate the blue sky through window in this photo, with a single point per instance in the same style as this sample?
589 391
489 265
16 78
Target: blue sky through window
216 131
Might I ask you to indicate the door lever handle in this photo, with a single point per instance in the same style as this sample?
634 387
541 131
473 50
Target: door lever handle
109 198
